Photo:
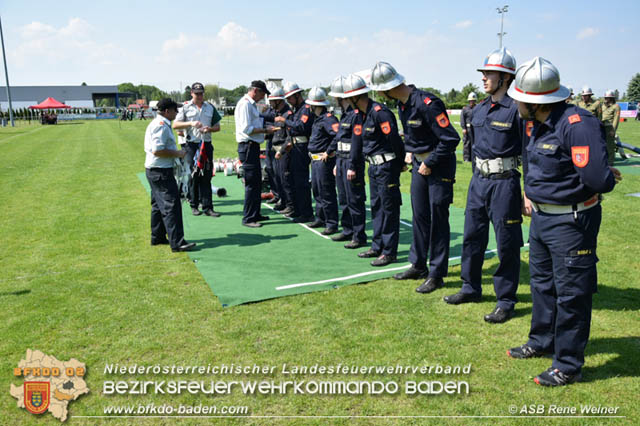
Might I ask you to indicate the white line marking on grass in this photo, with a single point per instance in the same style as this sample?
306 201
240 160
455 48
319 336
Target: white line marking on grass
301 224
364 274
21 134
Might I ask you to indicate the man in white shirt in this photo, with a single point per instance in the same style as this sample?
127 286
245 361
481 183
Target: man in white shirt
250 133
161 152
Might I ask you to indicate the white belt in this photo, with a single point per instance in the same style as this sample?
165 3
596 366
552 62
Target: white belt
557 209
300 139
344 146
422 157
496 165
380 158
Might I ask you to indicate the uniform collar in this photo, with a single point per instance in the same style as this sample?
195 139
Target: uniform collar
505 102
412 93
369 105
556 114
166 120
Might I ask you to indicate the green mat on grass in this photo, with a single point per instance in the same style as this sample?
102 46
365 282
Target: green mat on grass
283 258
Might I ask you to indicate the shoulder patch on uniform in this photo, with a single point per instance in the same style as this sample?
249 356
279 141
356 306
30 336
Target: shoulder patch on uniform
386 127
575 118
529 127
335 127
377 108
304 118
328 114
356 111
580 155
357 129
443 120
427 100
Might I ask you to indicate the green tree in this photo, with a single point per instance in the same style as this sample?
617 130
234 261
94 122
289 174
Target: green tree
633 91
464 93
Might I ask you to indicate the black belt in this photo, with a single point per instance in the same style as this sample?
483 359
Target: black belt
160 169
198 141
504 175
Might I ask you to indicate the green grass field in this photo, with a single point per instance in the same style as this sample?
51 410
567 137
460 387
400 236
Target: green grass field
80 280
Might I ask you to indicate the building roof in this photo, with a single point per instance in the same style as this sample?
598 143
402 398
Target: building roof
61 93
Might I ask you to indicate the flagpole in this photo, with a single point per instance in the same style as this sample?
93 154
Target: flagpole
6 74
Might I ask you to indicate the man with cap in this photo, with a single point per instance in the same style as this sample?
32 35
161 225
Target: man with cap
565 170
322 151
161 153
278 107
431 140
494 194
384 151
298 123
588 103
610 119
465 123
250 131
349 169
199 119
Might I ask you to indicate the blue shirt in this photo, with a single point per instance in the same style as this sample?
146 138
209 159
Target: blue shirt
497 129
323 132
427 127
380 132
565 158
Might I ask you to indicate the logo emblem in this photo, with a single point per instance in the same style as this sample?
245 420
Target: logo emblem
580 155
529 127
575 118
443 120
357 129
304 118
36 396
386 127
377 108
427 100
335 127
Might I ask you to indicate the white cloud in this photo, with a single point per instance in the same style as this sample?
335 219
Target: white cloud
232 34
464 24
587 32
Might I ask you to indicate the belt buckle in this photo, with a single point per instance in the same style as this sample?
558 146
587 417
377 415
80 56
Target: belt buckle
482 165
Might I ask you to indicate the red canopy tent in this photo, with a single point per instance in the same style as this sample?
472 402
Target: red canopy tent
49 103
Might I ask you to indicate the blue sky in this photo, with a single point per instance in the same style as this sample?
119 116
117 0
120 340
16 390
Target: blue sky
438 44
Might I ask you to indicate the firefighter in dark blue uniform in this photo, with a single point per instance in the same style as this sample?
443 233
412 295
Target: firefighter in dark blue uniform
565 171
430 141
280 163
384 151
298 124
322 151
351 190
494 191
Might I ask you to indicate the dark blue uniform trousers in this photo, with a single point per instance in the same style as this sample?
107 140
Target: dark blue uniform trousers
384 188
283 173
430 199
323 185
299 169
498 201
562 261
166 209
274 184
351 198
249 155
200 186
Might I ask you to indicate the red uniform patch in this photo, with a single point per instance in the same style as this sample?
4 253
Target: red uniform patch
36 396
377 108
386 127
328 114
580 155
357 129
304 118
575 118
529 127
335 127
443 120
356 111
427 100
